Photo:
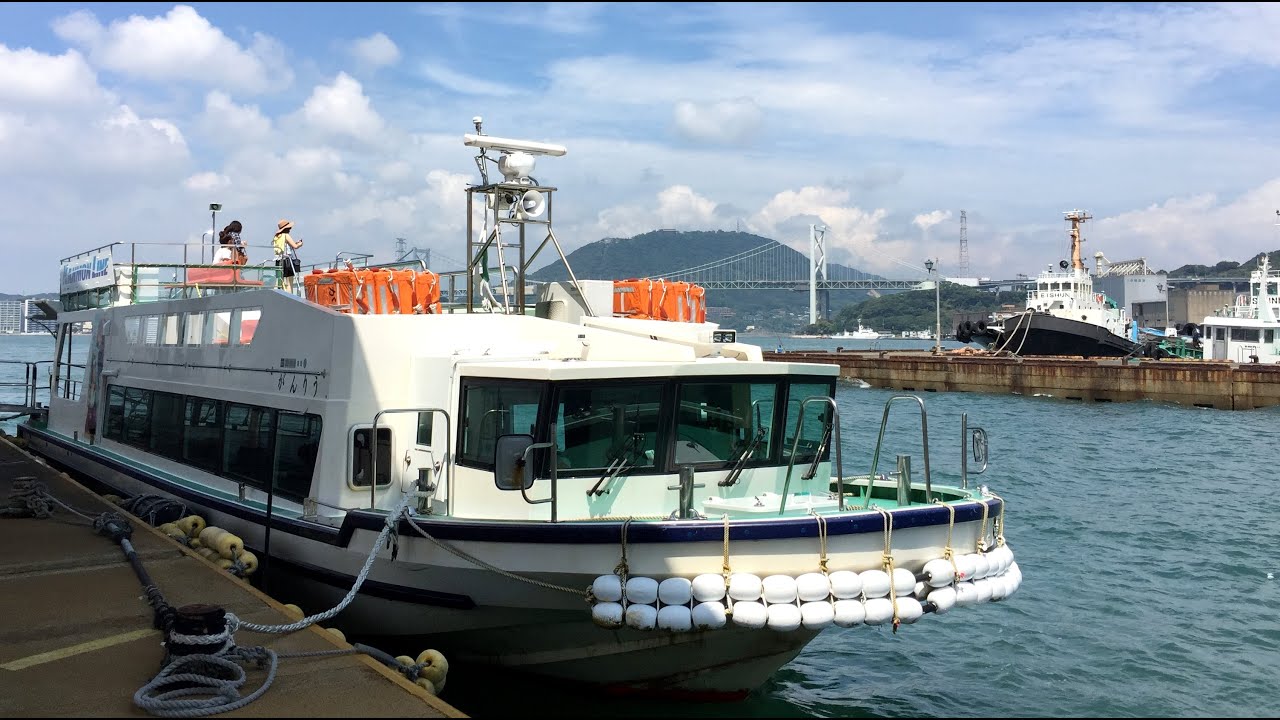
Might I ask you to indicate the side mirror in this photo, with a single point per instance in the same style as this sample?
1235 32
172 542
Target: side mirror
510 470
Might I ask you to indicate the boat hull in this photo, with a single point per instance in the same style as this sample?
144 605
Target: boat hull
535 618
1044 334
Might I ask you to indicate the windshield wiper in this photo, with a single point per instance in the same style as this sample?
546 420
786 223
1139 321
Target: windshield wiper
817 454
618 464
747 452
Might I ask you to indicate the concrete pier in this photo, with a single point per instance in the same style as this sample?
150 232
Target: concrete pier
1222 385
77 637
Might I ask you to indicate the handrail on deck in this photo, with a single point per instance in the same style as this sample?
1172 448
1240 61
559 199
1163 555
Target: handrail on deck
832 427
447 460
875 459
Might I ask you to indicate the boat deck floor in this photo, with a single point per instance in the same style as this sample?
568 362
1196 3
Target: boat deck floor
77 636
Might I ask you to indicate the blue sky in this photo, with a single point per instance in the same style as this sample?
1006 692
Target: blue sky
122 122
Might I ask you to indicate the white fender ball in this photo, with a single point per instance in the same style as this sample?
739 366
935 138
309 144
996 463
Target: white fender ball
709 616
849 613
904 581
607 588
875 583
607 614
813 587
966 594
750 614
909 610
744 586
675 618
846 585
784 618
939 572
879 611
675 591
817 615
708 587
944 598
780 589
642 590
642 617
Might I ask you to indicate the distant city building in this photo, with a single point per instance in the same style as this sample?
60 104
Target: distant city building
12 317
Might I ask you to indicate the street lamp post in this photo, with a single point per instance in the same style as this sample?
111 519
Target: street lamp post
213 229
937 306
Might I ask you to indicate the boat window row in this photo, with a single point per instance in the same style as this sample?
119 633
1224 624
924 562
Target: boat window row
235 327
649 426
259 446
1244 334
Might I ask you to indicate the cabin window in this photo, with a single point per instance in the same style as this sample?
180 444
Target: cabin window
170 332
1244 334
297 445
115 413
167 412
816 420
362 457
598 426
717 422
137 417
221 328
195 329
1269 336
151 329
1219 334
133 330
491 408
202 441
247 443
247 324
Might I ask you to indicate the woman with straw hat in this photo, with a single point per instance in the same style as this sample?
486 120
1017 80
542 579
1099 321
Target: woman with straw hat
284 246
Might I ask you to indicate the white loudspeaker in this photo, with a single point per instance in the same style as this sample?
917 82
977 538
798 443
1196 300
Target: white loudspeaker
532 204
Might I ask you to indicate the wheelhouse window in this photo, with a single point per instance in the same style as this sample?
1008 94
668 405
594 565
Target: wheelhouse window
720 422
815 430
492 408
602 426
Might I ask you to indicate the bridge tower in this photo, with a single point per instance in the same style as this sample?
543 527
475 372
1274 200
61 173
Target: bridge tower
817 267
964 246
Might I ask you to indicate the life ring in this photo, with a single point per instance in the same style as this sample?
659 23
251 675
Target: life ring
1242 300
1100 298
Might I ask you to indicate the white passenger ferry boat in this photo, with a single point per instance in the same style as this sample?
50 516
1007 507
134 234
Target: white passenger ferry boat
596 486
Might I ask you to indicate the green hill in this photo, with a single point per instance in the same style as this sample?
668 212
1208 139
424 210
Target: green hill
1226 268
917 309
662 252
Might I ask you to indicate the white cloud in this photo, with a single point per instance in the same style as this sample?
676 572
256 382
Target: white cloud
229 124
342 108
206 181
924 221
178 46
725 121
465 84
34 79
376 50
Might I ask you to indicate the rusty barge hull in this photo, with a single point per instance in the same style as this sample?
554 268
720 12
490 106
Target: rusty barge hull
1221 385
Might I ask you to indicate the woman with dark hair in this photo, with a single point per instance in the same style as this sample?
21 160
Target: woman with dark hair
231 248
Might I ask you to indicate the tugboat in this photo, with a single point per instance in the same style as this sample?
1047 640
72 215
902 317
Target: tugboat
1063 315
